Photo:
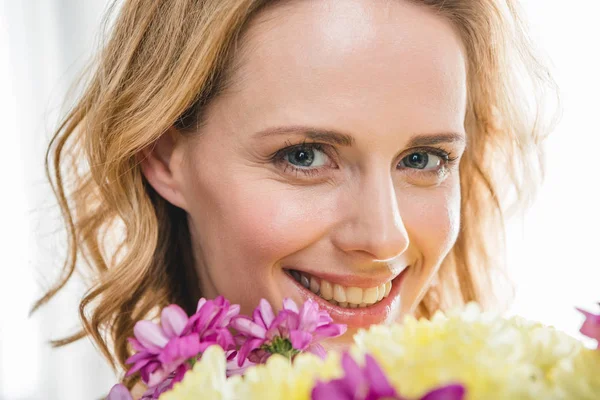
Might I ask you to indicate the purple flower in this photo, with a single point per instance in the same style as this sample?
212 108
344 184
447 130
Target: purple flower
591 326
119 392
288 333
165 352
370 383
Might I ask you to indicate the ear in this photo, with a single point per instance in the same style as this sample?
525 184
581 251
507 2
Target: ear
161 164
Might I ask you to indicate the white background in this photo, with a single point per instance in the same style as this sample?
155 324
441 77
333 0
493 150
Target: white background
553 252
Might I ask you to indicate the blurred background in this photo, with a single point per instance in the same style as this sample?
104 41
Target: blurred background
553 249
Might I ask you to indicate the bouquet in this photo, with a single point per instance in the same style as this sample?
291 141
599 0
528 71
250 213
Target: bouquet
464 354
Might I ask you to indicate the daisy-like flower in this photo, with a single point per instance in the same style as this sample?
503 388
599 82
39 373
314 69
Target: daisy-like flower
370 383
292 331
165 352
591 325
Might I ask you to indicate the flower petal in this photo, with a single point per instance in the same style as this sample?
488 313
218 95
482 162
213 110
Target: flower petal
333 390
450 392
179 350
329 331
173 320
317 350
591 325
289 304
300 339
119 392
353 374
201 304
150 335
309 316
265 312
378 382
247 348
232 312
157 377
246 326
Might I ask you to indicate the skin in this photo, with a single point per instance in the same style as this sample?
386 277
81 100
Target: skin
386 73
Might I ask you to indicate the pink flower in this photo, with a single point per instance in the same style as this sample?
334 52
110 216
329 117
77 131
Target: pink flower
288 333
370 383
165 352
591 326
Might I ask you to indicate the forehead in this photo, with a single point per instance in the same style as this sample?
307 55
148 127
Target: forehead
350 63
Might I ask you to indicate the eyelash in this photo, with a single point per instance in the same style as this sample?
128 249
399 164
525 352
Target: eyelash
448 160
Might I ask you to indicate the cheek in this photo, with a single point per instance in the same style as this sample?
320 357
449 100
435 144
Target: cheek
246 225
273 225
432 220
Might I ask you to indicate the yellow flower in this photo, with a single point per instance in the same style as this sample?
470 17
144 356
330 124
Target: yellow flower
578 377
495 358
278 379
205 381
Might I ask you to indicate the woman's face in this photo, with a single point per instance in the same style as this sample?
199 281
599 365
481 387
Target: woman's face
329 169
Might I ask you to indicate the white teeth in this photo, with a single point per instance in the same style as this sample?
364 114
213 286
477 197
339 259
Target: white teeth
339 294
348 297
370 295
354 295
380 292
314 285
326 290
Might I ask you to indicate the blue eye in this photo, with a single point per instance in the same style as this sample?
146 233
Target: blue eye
306 157
422 160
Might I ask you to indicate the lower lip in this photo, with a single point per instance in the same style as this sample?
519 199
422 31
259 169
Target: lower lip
380 312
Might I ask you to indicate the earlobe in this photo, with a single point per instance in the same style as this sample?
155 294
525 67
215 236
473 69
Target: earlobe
160 163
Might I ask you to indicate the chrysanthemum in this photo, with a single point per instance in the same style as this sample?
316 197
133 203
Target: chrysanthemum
165 352
291 331
494 358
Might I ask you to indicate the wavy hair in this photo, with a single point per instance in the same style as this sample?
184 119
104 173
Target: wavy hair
164 61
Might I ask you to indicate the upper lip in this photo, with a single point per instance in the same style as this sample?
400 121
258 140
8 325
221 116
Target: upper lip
360 280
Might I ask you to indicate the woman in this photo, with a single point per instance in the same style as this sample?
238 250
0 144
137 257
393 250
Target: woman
357 152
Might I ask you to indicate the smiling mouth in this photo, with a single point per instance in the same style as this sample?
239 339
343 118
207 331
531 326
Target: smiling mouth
342 296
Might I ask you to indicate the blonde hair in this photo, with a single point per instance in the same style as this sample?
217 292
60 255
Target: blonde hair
164 62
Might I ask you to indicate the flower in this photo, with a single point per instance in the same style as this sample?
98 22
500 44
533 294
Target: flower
279 379
288 333
491 356
591 325
119 392
370 383
167 351
212 320
206 380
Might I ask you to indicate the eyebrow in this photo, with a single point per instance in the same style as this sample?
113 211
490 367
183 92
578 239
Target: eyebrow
322 135
347 140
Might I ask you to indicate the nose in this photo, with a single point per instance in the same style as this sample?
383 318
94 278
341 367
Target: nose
372 221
